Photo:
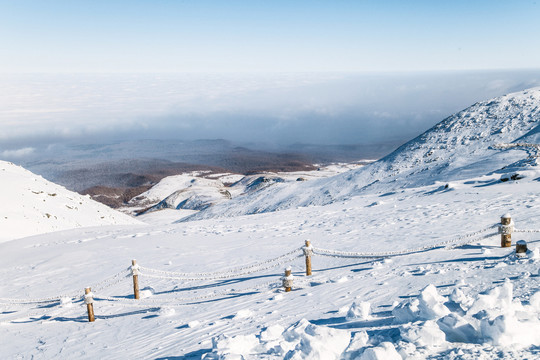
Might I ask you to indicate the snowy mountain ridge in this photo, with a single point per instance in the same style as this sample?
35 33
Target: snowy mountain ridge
461 146
197 191
32 205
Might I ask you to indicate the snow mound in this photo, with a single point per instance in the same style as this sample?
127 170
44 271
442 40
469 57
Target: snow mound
385 351
494 317
429 305
166 311
302 340
359 311
32 205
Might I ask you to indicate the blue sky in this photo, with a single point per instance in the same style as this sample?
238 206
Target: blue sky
261 36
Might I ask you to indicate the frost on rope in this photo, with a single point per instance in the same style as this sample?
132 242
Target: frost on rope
223 274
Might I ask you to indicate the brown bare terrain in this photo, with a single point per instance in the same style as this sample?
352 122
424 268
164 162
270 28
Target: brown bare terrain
126 186
117 172
114 197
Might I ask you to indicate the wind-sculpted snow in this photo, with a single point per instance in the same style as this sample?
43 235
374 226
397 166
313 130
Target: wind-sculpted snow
425 321
32 205
460 147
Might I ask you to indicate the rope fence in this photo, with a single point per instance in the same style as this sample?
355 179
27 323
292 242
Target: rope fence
102 285
225 274
45 308
526 231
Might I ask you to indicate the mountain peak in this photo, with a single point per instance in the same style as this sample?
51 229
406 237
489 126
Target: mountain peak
462 146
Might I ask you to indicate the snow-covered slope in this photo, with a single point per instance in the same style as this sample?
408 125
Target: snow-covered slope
32 205
209 288
198 190
459 147
182 192
403 269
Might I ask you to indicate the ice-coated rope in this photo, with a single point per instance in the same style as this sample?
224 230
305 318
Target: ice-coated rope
104 284
233 270
301 282
365 255
307 250
181 301
487 236
37 300
507 229
112 280
37 313
526 231
226 274
218 277
505 146
247 270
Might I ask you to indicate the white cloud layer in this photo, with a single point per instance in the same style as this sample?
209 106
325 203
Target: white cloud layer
18 153
257 108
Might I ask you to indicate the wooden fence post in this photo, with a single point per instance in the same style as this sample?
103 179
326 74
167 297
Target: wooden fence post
89 301
308 251
288 280
505 229
135 272
521 248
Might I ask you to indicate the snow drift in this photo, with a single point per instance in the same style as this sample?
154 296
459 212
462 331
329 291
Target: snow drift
494 317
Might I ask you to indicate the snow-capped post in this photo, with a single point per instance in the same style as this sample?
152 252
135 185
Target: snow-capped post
288 279
506 229
521 248
135 273
308 251
89 301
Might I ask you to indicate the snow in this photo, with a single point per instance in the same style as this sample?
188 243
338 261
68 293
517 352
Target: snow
32 205
213 286
198 191
494 317
220 244
384 351
359 311
302 340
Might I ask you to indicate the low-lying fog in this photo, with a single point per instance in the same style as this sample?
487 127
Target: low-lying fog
261 111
